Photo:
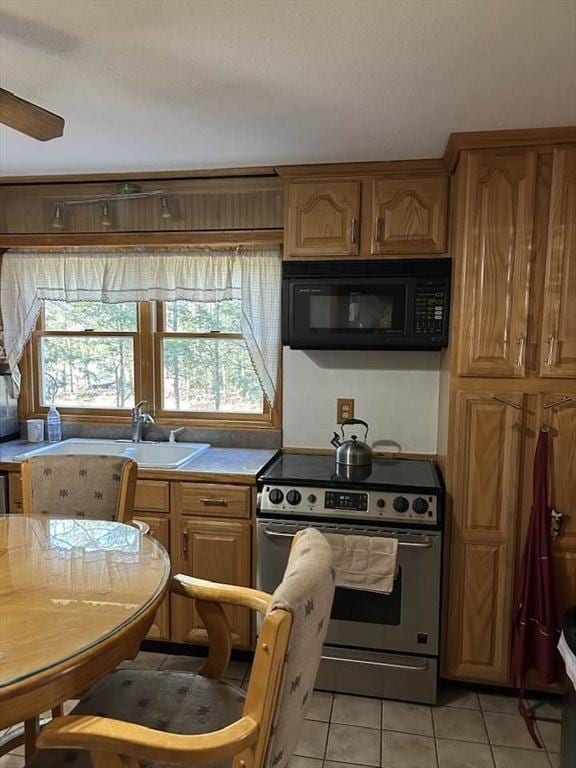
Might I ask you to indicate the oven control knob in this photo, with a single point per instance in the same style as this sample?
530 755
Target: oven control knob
420 506
312 499
400 504
294 497
381 503
276 496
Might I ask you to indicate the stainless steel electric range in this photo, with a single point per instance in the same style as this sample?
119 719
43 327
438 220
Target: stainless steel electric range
377 645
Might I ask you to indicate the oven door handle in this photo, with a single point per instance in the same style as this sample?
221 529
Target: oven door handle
425 544
276 535
407 667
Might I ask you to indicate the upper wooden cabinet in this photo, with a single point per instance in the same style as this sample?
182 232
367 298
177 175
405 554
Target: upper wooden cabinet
558 342
494 242
373 216
322 218
408 215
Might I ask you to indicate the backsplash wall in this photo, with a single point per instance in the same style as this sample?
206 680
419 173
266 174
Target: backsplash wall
395 392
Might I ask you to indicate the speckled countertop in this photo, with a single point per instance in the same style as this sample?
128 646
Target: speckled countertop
214 465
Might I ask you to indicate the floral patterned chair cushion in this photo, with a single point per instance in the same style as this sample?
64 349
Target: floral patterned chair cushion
307 592
167 700
76 485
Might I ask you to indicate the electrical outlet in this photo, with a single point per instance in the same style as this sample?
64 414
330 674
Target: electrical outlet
344 409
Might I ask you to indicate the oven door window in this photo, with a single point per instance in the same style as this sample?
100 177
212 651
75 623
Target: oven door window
369 607
349 309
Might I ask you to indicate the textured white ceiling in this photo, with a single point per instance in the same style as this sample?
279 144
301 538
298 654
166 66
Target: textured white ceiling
167 84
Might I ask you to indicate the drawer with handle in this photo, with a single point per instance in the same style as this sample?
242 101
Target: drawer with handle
212 500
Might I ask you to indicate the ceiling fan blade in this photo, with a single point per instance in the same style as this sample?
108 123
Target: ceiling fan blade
27 118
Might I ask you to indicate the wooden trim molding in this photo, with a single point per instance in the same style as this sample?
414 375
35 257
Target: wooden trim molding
402 168
510 139
205 173
196 238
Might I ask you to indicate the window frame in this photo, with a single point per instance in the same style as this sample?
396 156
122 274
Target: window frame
148 379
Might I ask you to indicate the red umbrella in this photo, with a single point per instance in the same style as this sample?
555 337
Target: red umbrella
537 620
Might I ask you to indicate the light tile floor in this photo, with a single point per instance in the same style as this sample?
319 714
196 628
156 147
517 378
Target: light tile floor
467 729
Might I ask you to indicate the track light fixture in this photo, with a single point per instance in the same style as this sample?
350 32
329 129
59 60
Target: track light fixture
58 220
105 218
165 211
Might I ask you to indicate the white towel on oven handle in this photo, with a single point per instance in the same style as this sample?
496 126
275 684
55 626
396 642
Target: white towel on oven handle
368 563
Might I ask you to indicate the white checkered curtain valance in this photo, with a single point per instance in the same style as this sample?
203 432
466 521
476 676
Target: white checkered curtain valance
253 276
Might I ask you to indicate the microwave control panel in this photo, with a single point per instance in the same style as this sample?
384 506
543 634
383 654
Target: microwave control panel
430 310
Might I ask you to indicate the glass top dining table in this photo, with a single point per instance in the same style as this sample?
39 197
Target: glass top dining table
68 587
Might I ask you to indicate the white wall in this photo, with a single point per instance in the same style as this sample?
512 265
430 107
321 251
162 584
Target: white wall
395 392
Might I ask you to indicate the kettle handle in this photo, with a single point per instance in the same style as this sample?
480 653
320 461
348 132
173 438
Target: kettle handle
347 422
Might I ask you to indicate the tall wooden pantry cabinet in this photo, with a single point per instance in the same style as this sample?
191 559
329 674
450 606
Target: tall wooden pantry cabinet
511 370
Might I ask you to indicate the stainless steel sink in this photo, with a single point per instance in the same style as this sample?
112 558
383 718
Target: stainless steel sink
147 455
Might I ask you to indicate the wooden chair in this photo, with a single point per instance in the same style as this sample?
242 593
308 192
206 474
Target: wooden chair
88 486
165 717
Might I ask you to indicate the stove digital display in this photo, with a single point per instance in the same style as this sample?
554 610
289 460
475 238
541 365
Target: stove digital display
338 500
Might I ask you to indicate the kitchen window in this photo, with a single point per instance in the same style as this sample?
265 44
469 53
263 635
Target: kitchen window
193 331
85 354
202 361
93 359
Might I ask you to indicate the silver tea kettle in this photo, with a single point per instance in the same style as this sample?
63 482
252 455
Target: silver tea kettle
353 452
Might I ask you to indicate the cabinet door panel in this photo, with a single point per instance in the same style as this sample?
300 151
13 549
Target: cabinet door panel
215 550
15 492
485 504
558 343
562 421
159 530
409 215
152 495
322 218
497 240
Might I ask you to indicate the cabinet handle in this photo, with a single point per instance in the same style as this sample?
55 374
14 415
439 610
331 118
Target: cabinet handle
507 402
214 502
378 230
549 359
185 543
354 228
521 343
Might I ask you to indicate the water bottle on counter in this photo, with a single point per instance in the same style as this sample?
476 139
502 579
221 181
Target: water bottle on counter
54 425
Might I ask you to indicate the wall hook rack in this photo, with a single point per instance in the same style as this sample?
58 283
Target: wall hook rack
562 401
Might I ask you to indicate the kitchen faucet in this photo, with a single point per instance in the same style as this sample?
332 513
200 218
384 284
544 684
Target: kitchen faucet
139 418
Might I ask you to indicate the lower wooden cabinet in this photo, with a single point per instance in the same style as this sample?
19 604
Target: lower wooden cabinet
490 480
160 530
562 422
217 550
485 477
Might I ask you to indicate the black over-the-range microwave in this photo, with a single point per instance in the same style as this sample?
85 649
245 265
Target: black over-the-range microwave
388 304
